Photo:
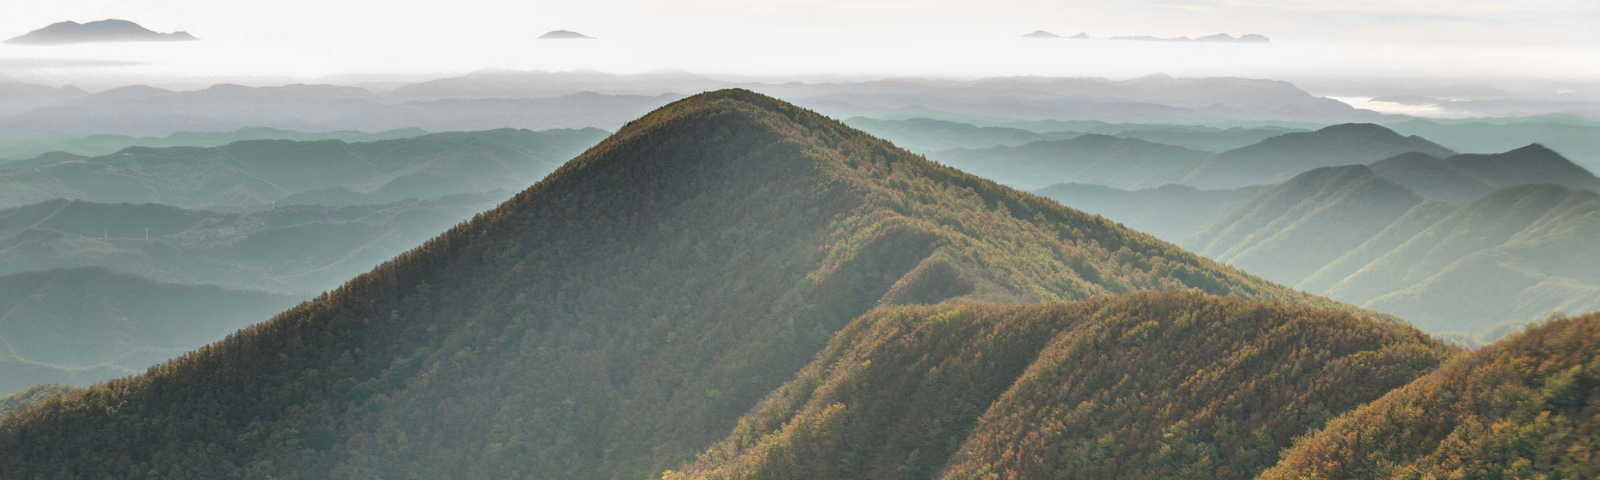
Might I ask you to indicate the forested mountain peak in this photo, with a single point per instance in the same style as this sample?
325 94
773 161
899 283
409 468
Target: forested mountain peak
612 320
1281 157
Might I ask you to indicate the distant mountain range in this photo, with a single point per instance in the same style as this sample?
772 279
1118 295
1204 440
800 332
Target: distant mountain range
1278 158
87 325
103 31
564 35
1387 235
28 146
1086 158
259 172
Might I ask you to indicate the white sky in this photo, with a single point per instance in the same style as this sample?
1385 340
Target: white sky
312 38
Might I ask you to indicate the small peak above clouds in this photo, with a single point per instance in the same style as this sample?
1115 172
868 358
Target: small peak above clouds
103 31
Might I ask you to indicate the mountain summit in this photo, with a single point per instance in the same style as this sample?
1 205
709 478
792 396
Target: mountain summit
564 35
103 31
609 322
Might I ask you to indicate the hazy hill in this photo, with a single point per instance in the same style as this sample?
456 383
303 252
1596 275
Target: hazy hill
1140 386
30 395
1279 158
1292 229
16 97
111 323
301 250
256 173
1210 139
1101 159
1514 255
1463 178
1522 408
27 146
1170 212
102 31
1577 141
923 135
142 110
564 35
504 84
611 321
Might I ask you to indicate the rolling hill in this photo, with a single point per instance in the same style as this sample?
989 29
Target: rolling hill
1279 158
257 173
1522 408
26 146
924 135
1170 212
611 321
1466 177
16 401
1101 159
86 325
1291 230
1159 385
300 250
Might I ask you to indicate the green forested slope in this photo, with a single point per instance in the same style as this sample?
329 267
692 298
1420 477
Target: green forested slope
1140 386
1526 407
609 322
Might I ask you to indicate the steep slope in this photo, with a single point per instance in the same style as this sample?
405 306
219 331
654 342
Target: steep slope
1400 231
256 173
1170 212
1579 141
1279 158
86 325
1463 178
301 250
1169 385
609 322
1525 407
1516 254
1101 159
1293 229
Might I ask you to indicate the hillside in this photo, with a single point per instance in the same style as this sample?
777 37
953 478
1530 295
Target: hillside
86 325
1279 158
609 322
300 250
1577 141
1523 408
1139 386
256 173
1102 159
1464 178
1292 229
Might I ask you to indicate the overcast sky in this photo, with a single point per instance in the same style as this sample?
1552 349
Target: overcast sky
309 38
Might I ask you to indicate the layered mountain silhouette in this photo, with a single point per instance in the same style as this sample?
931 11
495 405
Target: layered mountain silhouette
293 249
1381 237
1466 177
23 146
103 31
619 316
1333 208
1575 140
1278 158
256 173
86 325
924 135
1523 407
1089 158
